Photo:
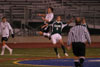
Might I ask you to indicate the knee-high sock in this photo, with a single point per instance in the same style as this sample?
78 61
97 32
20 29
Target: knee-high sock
63 48
3 50
8 48
55 49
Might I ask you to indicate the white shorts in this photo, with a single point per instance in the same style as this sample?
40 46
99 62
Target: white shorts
55 38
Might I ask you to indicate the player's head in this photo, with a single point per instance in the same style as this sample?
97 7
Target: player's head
78 20
50 10
58 18
3 19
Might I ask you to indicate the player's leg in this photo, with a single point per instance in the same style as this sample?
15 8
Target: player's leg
3 47
4 39
10 50
62 44
54 41
56 50
63 47
81 60
45 28
82 54
79 52
75 48
45 34
76 61
42 30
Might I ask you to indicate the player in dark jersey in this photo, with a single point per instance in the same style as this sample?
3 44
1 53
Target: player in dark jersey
55 34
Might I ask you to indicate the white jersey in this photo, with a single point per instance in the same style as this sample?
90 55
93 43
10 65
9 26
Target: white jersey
5 28
49 17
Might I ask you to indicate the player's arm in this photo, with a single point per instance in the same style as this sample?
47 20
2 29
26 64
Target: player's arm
84 22
70 21
45 19
67 23
87 35
69 41
51 16
43 15
11 30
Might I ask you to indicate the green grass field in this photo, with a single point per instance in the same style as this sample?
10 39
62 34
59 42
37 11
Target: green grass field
7 60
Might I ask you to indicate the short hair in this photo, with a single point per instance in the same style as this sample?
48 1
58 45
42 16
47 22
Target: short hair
51 9
77 22
3 18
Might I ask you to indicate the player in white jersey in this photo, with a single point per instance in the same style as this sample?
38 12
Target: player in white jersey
47 18
5 28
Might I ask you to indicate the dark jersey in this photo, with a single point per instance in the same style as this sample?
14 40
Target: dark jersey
57 27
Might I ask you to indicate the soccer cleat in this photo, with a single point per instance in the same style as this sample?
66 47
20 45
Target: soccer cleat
11 51
58 56
66 54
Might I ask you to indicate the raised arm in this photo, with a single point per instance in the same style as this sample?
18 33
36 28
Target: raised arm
42 15
46 20
70 21
67 22
84 22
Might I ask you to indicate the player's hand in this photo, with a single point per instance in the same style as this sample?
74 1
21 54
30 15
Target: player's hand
83 21
70 21
89 44
12 35
43 18
38 14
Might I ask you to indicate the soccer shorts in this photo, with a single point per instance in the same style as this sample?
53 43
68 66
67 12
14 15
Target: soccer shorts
4 39
55 38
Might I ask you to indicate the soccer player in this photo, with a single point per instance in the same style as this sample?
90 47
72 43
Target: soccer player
5 27
78 36
47 18
55 35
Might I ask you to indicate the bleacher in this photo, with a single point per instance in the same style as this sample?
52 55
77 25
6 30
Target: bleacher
25 11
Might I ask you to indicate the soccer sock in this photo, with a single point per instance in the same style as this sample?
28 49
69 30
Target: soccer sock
3 50
55 49
8 48
76 62
46 34
63 48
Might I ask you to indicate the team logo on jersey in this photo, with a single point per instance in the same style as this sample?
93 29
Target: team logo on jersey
57 25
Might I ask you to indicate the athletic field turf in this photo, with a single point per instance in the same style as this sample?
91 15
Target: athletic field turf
41 54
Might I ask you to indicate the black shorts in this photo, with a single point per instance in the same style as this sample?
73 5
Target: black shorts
78 48
4 39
